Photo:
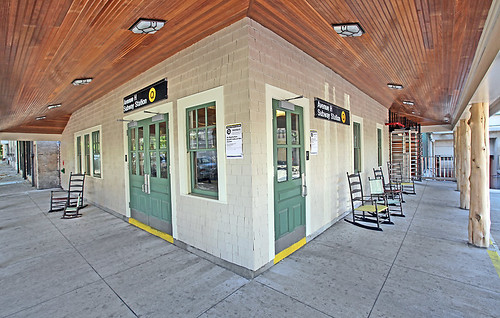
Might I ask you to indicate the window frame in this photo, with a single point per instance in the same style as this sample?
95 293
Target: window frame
357 146
192 151
379 147
81 155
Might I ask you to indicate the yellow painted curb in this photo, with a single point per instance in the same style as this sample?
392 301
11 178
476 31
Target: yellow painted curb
495 259
149 229
281 255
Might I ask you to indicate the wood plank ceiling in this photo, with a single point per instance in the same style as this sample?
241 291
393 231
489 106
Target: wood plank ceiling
425 45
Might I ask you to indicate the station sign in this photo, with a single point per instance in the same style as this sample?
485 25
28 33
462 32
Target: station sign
146 96
331 112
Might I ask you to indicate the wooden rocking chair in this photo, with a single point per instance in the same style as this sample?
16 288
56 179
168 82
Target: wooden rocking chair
61 199
368 210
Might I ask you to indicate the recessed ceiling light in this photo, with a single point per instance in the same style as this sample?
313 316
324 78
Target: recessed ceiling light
395 86
40 118
81 81
54 106
147 26
407 102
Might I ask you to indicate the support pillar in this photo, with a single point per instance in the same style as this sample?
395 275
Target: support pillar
479 213
465 164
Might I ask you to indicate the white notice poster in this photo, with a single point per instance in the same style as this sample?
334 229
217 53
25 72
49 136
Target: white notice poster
234 141
314 142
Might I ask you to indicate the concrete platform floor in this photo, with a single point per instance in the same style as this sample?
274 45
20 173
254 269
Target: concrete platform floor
100 266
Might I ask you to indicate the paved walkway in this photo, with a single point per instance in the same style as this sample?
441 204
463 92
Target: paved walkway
100 266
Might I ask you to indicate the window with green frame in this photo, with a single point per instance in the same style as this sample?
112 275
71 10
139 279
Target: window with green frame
88 155
79 154
357 146
202 148
96 154
86 146
379 147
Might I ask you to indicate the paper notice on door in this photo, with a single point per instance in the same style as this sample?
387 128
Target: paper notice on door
314 142
234 141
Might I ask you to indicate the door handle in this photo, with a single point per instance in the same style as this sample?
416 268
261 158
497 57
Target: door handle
148 184
304 186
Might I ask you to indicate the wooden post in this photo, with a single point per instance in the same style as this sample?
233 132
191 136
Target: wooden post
465 164
479 214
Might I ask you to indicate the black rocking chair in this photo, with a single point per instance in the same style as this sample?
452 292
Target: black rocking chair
60 200
368 210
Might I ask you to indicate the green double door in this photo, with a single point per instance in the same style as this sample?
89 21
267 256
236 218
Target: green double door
289 174
149 172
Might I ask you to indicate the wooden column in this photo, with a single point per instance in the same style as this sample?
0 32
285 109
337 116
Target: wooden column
465 164
479 214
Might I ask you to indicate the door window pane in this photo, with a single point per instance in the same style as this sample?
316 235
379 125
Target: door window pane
280 127
132 140
282 167
133 163
152 137
141 163
152 162
295 129
140 136
163 165
163 135
295 163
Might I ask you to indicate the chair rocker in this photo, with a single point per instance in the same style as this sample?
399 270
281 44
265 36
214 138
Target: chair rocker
61 199
71 212
368 210
393 193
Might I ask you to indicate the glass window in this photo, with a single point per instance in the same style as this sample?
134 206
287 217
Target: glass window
357 146
86 145
379 147
88 153
79 154
96 154
202 146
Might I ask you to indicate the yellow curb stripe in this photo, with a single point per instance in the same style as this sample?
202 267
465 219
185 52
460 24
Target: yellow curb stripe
149 229
493 253
281 255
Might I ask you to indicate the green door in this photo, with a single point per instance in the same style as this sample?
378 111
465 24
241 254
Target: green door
289 171
150 173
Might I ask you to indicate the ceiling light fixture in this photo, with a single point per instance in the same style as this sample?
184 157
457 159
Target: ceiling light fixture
395 86
407 102
347 30
54 106
81 81
147 26
40 118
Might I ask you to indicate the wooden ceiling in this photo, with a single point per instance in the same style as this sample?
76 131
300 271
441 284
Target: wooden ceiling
425 45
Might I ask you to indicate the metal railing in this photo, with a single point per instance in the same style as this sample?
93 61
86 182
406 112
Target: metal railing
438 168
